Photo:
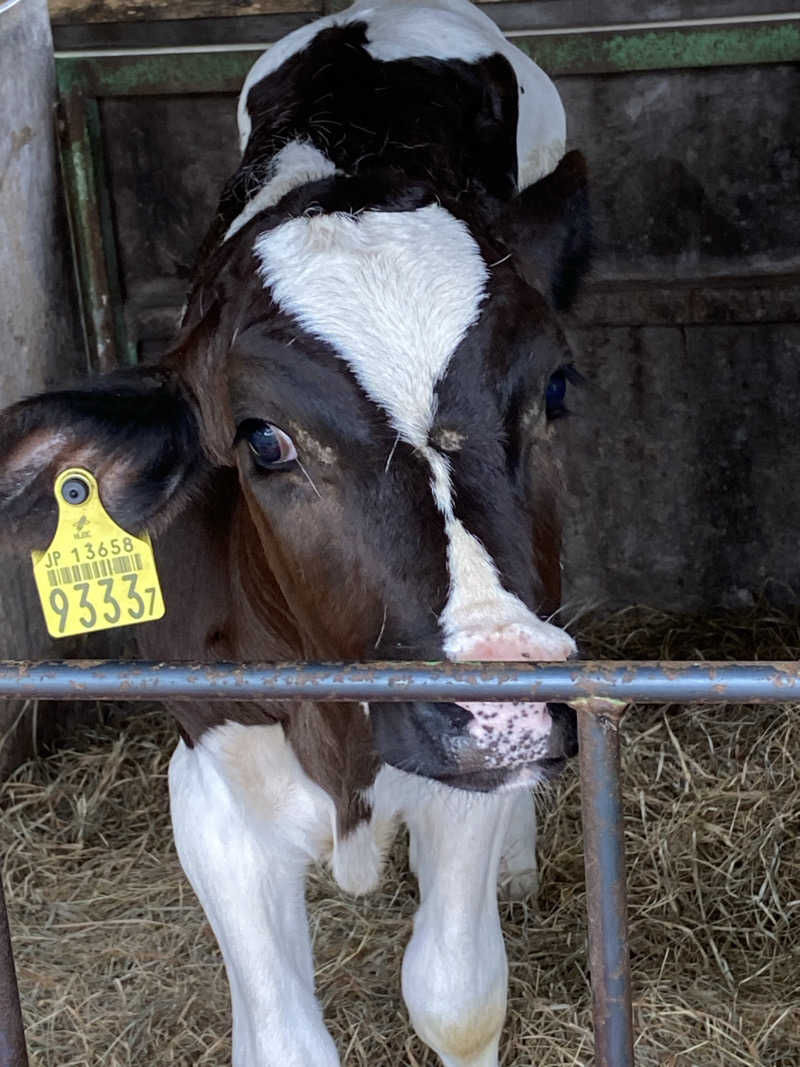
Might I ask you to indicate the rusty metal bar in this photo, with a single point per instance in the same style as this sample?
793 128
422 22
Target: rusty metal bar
643 682
12 1032
606 896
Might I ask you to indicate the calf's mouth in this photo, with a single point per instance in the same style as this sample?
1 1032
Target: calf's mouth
445 742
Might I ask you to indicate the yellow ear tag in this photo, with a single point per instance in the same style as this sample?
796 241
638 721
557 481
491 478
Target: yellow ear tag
94 575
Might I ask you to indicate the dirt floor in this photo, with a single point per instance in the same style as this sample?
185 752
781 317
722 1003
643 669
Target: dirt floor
118 967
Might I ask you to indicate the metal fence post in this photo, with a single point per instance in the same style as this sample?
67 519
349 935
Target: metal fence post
606 897
12 1033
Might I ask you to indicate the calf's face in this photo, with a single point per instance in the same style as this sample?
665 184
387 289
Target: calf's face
382 388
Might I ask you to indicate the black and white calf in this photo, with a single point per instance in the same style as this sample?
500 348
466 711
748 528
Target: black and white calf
346 455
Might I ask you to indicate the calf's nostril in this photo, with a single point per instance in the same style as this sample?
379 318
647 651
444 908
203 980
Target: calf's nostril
565 728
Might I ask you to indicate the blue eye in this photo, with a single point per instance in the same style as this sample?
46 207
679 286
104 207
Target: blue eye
271 448
265 446
556 393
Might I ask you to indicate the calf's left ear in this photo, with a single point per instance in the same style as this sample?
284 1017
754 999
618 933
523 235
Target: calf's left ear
548 229
134 430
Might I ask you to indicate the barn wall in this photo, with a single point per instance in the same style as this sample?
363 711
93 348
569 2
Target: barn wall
682 462
679 456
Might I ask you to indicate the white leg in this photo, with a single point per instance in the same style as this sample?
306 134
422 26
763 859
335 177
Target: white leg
454 970
518 871
247 822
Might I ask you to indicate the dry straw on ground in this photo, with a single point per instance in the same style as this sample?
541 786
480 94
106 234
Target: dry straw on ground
118 967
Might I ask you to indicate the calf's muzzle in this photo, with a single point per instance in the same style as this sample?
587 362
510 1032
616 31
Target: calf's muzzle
484 745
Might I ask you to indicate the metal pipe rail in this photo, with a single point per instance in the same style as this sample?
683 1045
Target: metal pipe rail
642 682
598 690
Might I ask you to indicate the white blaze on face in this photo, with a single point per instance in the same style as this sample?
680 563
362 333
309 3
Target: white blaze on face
483 621
394 294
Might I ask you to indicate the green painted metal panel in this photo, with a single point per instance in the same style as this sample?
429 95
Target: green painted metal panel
559 54
92 232
78 151
665 49
155 73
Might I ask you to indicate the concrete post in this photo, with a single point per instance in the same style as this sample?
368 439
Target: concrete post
40 337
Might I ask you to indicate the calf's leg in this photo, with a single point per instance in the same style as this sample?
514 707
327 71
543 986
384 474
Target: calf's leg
247 821
519 874
454 970
518 870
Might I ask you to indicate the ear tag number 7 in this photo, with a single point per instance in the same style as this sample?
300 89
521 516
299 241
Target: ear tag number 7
94 575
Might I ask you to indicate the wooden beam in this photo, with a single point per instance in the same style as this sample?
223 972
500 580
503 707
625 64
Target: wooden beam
72 11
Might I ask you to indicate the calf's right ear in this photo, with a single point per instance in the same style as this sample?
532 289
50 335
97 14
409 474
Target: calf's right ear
134 430
548 228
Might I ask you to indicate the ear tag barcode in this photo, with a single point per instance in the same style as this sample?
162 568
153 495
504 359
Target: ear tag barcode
94 575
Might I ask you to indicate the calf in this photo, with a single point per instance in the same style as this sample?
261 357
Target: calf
346 455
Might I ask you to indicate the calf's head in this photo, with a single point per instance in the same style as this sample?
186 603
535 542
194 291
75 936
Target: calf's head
386 384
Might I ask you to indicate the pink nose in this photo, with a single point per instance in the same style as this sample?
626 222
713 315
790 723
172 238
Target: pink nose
540 642
512 732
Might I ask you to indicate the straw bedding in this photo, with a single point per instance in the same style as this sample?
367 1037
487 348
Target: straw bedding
118 966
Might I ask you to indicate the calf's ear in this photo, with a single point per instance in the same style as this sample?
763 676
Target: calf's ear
134 430
548 228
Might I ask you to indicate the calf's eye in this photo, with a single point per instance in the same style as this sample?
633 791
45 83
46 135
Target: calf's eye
271 448
556 392
555 395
